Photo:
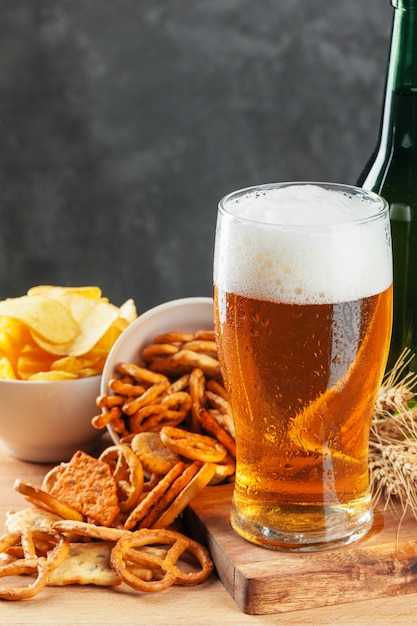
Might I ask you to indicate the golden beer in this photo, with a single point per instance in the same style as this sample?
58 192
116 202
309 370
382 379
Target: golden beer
302 371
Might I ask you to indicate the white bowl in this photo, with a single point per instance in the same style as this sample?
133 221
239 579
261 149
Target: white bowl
47 421
186 314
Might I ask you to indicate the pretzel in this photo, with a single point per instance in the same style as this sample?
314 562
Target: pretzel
150 411
173 409
120 388
24 566
154 456
193 445
197 386
44 500
159 419
125 552
157 350
32 559
139 512
112 415
179 384
169 496
108 402
173 337
196 484
52 476
224 470
205 335
201 345
140 374
212 426
184 361
127 472
132 405
216 387
86 529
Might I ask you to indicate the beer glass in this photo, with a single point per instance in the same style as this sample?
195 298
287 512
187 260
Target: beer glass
303 315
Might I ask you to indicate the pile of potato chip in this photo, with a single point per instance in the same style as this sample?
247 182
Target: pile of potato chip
59 333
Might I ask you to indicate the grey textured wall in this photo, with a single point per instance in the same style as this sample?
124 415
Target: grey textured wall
122 123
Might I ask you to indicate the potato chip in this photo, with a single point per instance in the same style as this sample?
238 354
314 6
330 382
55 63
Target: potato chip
66 330
33 359
93 317
6 369
58 292
46 317
52 375
128 311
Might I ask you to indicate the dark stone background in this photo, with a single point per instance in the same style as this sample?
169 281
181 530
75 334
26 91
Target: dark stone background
123 122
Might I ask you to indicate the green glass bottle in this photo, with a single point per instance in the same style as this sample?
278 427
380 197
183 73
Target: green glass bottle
392 172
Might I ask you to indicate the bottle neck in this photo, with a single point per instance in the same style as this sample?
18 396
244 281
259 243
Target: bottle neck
399 120
406 5
402 66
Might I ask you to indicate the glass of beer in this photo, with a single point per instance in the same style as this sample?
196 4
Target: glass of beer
303 315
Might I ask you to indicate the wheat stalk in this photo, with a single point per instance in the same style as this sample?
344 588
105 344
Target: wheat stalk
393 439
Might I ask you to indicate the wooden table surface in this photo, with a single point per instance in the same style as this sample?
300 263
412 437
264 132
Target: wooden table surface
205 604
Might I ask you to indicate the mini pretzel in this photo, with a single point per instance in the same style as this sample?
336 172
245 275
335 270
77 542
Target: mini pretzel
165 417
108 402
132 405
180 384
127 472
193 445
200 345
157 350
184 361
126 551
112 415
141 374
143 413
205 335
44 500
173 337
121 388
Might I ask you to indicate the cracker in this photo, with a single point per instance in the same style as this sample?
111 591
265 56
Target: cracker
87 484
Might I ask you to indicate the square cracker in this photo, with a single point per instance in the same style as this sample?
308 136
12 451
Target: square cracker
87 484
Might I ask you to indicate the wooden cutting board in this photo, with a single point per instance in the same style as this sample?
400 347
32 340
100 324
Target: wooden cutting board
261 581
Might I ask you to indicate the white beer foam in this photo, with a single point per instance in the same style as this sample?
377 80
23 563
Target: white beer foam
315 255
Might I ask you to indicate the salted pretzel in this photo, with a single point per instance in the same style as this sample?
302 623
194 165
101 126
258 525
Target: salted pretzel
173 337
197 483
212 426
35 550
197 386
184 361
140 374
127 472
46 501
127 551
193 445
88 530
134 404
139 512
